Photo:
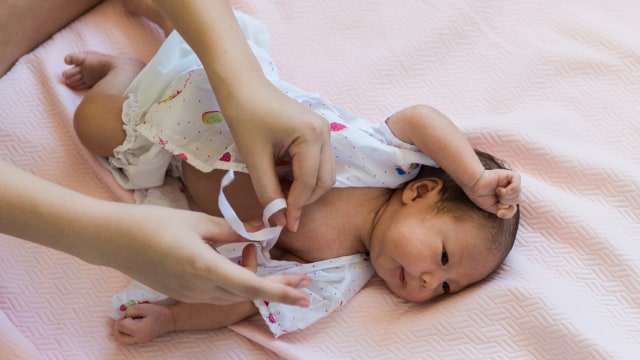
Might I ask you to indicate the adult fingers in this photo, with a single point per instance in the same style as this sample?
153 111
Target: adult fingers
234 283
326 177
305 175
296 281
265 181
313 174
215 230
283 288
249 260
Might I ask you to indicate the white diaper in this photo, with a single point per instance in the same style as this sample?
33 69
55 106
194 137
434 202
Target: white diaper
144 158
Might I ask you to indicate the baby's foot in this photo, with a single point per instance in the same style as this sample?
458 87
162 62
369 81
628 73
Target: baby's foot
143 322
88 68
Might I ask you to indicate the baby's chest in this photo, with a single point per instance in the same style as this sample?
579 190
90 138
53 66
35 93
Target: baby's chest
317 245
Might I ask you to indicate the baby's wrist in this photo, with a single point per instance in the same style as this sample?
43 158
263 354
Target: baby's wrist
469 187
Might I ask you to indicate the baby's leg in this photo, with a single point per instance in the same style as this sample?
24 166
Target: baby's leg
98 118
144 322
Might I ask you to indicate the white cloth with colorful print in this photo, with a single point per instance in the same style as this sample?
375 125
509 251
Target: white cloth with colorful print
172 115
333 282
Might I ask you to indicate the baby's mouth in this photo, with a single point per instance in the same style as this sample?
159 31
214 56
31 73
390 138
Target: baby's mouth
403 280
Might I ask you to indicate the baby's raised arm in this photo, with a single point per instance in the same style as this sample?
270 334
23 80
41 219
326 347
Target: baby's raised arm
496 191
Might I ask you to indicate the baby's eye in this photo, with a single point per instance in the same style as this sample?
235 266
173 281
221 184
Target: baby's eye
445 287
444 258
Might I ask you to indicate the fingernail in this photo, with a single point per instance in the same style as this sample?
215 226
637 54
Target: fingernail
279 218
295 225
304 284
302 303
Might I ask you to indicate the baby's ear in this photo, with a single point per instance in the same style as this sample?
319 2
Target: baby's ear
421 189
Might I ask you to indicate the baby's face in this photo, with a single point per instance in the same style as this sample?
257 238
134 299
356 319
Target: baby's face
421 256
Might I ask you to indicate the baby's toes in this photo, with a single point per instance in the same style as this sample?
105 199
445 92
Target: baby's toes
71 72
76 58
74 81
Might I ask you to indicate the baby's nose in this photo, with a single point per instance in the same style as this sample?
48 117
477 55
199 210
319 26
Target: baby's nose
430 281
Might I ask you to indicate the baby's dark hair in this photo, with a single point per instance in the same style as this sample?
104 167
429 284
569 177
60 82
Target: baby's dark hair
454 201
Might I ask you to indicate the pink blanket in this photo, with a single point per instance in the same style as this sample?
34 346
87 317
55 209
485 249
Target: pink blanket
553 87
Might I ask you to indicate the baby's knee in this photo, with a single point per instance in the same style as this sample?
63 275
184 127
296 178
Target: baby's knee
82 124
98 127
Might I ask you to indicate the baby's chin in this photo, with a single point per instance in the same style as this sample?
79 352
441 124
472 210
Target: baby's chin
420 299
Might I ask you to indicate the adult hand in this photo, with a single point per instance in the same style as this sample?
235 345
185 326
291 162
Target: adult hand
170 251
272 126
265 123
164 248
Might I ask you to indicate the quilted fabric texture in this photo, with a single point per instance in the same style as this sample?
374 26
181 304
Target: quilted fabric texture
552 87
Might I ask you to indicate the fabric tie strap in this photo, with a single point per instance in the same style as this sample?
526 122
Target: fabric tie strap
268 235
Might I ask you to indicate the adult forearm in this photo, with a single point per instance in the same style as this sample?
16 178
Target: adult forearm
266 124
164 248
49 214
126 237
218 41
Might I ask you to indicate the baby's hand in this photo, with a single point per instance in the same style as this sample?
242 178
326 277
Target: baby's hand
142 323
497 191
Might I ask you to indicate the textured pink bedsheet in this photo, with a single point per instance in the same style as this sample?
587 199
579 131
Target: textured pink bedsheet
552 87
